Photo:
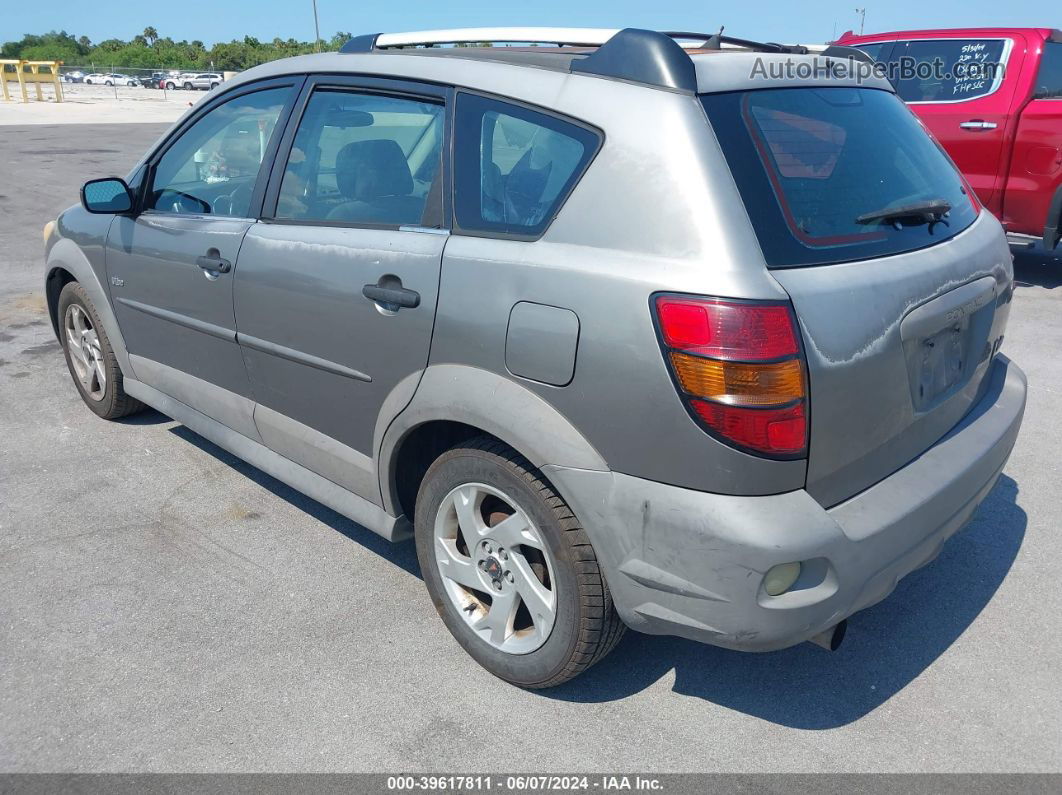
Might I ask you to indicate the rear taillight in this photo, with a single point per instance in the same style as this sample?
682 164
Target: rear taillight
739 369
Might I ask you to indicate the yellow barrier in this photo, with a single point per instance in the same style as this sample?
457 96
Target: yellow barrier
34 76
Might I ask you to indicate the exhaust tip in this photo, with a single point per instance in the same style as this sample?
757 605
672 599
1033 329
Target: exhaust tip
830 639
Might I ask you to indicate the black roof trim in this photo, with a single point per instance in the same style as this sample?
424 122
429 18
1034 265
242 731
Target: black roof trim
713 41
641 56
363 43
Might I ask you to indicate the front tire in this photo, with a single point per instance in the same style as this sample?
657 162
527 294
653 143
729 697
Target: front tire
509 568
187 86
90 357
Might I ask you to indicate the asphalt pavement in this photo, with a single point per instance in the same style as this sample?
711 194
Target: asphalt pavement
166 607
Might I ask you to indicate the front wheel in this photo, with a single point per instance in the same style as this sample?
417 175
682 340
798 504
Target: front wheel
90 357
509 569
187 86
170 86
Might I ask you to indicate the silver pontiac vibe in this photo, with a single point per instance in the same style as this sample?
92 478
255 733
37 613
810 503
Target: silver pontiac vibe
639 331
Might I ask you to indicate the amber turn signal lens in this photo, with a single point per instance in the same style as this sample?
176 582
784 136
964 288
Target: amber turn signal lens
738 383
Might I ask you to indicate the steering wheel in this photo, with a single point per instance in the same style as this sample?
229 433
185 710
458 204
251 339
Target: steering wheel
176 201
239 198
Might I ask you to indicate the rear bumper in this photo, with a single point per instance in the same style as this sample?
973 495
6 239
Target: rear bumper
689 563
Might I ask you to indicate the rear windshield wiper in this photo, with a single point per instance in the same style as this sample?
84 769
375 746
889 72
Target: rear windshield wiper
927 211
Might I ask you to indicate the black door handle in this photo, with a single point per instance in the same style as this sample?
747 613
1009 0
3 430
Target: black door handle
390 293
214 263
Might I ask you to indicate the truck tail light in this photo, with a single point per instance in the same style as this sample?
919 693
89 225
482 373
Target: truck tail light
739 369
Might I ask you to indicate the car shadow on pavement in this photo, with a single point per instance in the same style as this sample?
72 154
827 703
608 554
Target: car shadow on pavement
1037 268
402 555
805 687
146 417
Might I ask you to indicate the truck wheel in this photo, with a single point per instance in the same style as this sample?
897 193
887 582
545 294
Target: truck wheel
90 358
187 86
170 86
509 569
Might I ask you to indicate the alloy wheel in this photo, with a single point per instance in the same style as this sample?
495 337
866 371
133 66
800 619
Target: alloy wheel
86 355
496 569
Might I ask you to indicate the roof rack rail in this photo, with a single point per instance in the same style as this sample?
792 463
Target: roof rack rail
568 37
640 56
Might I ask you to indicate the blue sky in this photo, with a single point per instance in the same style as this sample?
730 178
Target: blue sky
777 20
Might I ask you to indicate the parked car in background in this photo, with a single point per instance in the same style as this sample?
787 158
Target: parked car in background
203 81
1001 125
154 80
74 76
619 333
113 79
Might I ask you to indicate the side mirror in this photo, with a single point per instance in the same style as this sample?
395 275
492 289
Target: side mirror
106 196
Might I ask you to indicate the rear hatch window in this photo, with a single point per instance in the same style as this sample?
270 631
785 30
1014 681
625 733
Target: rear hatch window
826 173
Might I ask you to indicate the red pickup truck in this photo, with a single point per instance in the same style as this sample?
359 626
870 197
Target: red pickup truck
993 98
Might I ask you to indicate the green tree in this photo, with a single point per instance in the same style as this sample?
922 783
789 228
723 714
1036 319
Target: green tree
150 51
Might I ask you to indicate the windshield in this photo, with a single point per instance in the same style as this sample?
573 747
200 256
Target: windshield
812 164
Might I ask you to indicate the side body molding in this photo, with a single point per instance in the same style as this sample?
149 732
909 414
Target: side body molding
494 403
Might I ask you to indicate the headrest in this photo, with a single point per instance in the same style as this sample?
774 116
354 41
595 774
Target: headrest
367 170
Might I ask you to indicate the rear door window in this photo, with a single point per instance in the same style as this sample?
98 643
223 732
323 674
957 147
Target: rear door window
810 162
1049 78
947 70
514 166
363 159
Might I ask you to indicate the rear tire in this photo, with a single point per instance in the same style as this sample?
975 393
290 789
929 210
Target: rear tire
483 483
90 357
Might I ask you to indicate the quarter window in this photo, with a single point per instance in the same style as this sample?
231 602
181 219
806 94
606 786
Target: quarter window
1049 78
876 49
213 166
364 159
513 166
